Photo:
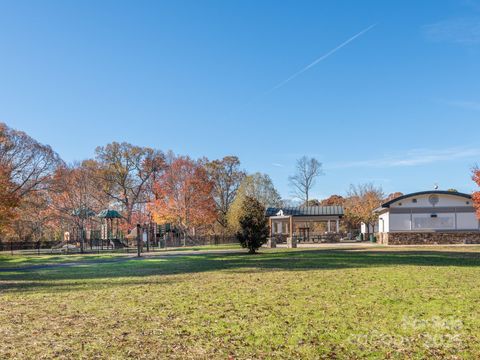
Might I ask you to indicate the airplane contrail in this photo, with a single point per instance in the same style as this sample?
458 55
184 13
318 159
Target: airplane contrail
323 57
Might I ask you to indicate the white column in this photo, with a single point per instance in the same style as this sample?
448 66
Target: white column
328 226
338 226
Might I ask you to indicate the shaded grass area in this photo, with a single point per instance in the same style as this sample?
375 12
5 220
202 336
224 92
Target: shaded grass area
349 303
21 261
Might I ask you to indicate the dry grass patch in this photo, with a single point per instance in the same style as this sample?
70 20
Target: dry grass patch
374 303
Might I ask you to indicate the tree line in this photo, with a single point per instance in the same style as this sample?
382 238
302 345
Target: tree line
41 196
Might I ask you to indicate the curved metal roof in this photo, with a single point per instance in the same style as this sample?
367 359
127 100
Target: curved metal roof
431 192
334 210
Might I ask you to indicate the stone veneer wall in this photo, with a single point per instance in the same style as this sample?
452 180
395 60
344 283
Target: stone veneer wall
429 238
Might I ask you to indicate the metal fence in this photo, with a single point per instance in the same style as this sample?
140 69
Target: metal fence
114 245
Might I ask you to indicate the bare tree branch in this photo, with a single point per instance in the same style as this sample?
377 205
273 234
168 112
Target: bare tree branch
307 170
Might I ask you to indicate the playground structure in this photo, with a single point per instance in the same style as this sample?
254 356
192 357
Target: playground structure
92 230
103 231
166 235
87 231
153 237
110 231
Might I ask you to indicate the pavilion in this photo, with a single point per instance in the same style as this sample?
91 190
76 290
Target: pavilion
110 224
304 223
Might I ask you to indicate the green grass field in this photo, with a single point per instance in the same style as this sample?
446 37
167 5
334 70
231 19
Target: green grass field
317 303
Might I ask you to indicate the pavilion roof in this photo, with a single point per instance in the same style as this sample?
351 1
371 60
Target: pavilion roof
334 210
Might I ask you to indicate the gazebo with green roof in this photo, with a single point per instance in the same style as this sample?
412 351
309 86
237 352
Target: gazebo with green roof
109 217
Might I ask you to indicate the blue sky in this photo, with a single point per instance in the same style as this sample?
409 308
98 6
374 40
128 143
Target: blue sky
399 105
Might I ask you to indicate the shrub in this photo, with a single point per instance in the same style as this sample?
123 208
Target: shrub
253 231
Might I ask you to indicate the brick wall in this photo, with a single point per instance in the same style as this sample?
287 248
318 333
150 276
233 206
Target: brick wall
428 238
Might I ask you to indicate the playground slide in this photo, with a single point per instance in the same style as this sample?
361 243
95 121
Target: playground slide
117 244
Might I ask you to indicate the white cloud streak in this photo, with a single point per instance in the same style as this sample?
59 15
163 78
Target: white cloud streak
321 58
414 157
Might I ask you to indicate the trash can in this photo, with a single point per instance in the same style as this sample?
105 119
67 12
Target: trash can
373 239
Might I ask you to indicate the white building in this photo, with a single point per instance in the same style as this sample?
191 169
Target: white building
364 228
428 217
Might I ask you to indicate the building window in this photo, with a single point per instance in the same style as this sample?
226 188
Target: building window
414 200
399 204
468 202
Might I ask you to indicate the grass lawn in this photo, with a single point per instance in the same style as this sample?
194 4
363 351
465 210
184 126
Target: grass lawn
317 303
21 261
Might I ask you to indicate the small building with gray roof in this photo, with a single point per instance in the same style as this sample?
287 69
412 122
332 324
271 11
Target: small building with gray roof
302 223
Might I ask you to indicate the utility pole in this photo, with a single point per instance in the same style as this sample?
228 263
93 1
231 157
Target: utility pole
139 239
146 231
82 240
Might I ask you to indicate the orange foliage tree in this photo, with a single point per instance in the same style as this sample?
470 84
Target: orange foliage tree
333 200
26 167
77 195
8 199
360 204
393 196
476 194
127 171
183 196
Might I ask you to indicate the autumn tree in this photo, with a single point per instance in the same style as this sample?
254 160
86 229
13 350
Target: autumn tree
253 231
77 195
29 163
8 200
362 200
258 186
26 168
476 194
226 176
333 200
183 196
126 171
307 170
393 195
34 220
